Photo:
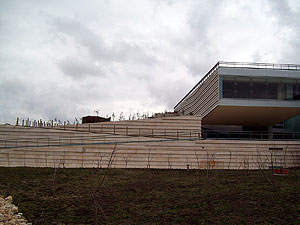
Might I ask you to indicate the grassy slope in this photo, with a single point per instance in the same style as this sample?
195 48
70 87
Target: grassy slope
136 196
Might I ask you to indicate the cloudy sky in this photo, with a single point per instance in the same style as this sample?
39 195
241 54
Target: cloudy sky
65 58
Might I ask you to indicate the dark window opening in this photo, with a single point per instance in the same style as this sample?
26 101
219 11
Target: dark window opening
258 90
261 88
242 90
272 90
296 92
228 89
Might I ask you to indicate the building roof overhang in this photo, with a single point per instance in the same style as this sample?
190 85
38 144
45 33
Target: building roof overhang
246 69
249 115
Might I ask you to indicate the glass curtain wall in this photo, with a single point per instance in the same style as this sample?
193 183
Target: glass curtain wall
260 88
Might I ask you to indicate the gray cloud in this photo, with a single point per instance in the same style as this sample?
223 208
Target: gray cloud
288 30
103 56
78 68
119 51
65 59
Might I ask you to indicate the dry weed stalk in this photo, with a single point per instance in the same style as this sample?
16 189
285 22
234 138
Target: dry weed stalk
246 164
199 167
55 166
261 164
95 191
230 156
296 160
99 158
210 157
149 159
169 161
126 160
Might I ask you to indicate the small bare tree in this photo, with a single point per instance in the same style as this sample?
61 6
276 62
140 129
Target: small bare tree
296 158
246 164
55 167
121 116
210 162
296 161
169 161
198 160
99 158
97 111
63 160
283 159
149 159
230 156
261 162
126 160
95 191
199 167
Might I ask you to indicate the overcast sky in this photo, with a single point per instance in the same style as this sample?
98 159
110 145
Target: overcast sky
64 59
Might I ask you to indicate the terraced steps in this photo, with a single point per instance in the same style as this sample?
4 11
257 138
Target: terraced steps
68 147
165 127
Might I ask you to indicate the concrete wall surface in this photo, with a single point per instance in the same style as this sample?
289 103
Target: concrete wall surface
66 147
213 154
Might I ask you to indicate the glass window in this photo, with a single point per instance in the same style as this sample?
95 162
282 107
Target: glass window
242 90
272 91
228 89
289 92
296 92
281 92
261 88
258 90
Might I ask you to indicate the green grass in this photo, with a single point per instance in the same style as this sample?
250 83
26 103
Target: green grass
141 196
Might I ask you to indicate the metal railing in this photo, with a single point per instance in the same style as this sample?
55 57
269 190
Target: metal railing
119 139
251 65
97 140
250 135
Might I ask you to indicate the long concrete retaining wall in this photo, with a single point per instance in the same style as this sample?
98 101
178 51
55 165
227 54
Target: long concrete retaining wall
170 154
68 147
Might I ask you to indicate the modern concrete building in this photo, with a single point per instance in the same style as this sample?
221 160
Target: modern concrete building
249 95
239 116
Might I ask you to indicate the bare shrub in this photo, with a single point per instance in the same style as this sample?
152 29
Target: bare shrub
262 162
169 161
199 167
210 160
230 156
149 159
95 192
126 160
99 159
